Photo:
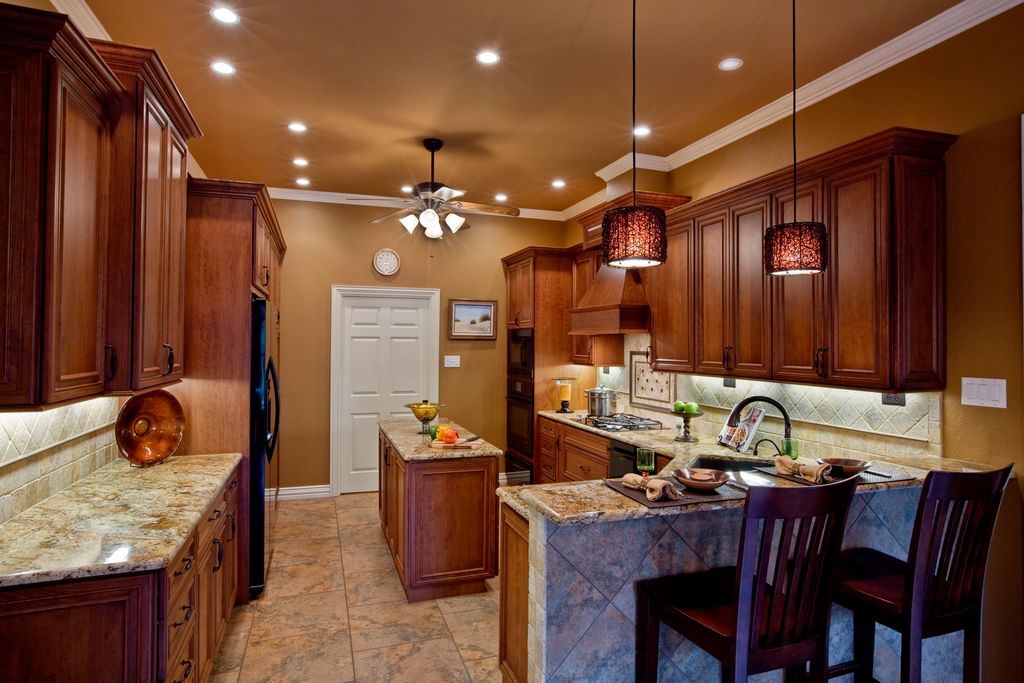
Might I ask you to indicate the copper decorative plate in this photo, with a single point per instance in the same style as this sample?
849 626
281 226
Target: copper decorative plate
149 428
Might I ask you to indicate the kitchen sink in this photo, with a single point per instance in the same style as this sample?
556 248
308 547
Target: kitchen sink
730 464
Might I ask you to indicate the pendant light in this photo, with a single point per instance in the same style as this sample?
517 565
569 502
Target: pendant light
798 247
634 236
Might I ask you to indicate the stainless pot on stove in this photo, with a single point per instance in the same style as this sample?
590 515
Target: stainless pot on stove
601 401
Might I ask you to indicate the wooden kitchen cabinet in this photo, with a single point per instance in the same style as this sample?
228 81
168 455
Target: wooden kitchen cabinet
547 462
146 302
56 95
215 548
519 281
600 349
580 455
670 296
514 595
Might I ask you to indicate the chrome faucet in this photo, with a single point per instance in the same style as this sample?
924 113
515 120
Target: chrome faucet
787 441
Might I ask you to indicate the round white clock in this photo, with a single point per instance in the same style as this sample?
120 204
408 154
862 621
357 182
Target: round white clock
386 262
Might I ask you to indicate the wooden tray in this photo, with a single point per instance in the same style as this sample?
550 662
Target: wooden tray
690 497
862 478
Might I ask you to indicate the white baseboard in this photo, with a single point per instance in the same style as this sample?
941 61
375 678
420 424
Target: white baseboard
299 492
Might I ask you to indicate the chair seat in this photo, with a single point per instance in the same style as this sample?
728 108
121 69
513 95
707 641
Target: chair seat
871 577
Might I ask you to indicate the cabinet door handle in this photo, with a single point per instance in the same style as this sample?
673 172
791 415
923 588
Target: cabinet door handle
188 616
111 362
170 359
266 275
187 673
727 358
186 564
649 354
814 363
233 528
215 516
220 555
822 370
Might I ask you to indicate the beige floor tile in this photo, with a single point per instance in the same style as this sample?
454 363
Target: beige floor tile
464 603
296 615
368 559
319 656
475 633
243 612
232 649
358 516
361 536
394 623
351 501
493 583
227 677
303 509
428 660
304 551
372 588
301 579
324 526
484 670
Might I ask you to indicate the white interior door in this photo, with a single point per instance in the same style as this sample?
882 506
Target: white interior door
384 354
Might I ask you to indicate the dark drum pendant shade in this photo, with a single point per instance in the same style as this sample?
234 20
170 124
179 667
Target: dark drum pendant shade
634 237
796 248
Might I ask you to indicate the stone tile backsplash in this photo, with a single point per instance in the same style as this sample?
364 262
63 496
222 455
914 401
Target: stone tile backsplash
42 453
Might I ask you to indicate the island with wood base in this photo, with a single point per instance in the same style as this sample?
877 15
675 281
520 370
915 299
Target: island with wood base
438 511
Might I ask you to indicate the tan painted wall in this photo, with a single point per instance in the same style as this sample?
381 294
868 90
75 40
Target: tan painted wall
333 244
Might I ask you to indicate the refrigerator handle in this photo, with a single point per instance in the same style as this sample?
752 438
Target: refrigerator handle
272 435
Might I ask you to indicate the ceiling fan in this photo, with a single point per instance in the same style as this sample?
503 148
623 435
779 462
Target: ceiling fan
433 202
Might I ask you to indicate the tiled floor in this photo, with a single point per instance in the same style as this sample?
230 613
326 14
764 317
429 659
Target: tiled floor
334 611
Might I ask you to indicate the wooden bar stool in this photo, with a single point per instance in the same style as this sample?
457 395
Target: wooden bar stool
938 591
771 611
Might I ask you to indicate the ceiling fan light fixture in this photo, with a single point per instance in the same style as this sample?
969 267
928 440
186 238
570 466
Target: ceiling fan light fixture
454 222
799 248
409 222
634 237
434 231
429 219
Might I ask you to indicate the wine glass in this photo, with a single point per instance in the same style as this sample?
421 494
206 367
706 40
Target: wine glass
645 461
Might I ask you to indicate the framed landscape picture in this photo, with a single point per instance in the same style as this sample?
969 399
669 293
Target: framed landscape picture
472 319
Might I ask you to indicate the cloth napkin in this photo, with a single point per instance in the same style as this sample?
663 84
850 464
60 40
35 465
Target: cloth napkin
654 489
812 473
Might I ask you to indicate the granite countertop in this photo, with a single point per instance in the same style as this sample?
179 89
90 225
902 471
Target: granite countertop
118 520
405 436
513 497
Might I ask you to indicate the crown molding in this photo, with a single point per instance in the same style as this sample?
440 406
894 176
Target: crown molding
82 17
939 28
650 162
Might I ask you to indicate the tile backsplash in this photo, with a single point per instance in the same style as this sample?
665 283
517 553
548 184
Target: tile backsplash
835 422
43 452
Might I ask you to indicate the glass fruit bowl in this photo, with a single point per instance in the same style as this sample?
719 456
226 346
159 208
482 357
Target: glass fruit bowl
425 411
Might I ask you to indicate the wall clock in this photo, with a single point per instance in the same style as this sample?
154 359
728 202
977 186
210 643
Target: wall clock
386 261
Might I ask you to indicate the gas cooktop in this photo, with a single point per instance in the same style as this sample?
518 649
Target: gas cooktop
622 422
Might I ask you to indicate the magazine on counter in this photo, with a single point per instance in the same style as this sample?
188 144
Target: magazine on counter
741 436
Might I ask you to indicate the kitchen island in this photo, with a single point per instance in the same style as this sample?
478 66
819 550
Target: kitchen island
438 511
572 553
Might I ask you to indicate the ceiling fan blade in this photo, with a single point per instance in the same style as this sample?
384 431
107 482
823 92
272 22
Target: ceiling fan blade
470 207
394 215
446 194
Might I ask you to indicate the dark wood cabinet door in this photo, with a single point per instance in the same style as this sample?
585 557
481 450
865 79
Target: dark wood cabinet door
857 216
174 259
514 569
525 299
22 128
749 349
711 300
798 301
512 296
670 296
260 255
76 241
584 265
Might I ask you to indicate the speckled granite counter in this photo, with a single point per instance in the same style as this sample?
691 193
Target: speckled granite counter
405 436
118 520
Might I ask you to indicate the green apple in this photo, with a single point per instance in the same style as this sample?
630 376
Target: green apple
690 407
679 407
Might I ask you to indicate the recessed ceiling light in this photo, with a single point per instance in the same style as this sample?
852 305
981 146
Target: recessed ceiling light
299 161
558 183
223 68
406 188
641 131
302 181
224 15
488 57
730 64
297 127
501 197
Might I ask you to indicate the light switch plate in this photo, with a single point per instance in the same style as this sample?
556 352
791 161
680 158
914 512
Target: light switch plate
453 361
983 391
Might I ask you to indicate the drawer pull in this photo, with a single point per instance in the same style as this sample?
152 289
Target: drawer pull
233 485
233 528
188 617
584 468
186 564
217 514
187 673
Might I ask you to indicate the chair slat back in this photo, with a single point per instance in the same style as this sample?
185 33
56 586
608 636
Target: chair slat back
789 542
949 548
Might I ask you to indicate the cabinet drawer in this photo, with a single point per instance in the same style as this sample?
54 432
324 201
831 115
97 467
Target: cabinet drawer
546 469
580 465
548 427
212 518
183 667
592 443
183 568
182 615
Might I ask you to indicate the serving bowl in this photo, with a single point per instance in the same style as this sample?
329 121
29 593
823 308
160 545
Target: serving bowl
150 428
845 467
699 478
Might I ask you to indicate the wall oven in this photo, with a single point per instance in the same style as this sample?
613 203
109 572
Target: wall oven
519 421
520 353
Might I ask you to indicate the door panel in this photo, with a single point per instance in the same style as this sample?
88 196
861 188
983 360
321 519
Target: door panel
750 296
671 302
174 257
712 296
583 268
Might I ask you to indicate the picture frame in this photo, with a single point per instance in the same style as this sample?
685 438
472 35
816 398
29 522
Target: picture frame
472 319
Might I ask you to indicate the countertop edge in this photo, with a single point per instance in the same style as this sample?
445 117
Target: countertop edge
404 435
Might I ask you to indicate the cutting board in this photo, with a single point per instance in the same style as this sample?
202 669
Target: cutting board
459 445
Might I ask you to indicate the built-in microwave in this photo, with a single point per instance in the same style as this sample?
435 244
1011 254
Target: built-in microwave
520 352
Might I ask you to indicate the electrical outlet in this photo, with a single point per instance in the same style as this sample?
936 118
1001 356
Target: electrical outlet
983 391
729 382
453 361
894 399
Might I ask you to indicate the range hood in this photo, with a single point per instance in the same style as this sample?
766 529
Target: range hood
615 303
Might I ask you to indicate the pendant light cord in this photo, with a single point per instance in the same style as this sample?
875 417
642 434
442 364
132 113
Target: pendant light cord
633 129
794 109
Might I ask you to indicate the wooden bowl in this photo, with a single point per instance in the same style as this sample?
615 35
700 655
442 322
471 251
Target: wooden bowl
700 479
149 428
845 467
